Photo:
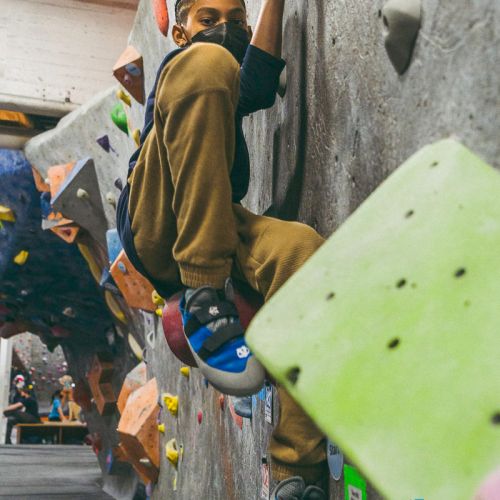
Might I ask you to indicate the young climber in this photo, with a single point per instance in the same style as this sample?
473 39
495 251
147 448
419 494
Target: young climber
181 221
56 412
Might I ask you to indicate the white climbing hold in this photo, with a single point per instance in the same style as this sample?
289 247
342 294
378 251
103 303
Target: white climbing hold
82 194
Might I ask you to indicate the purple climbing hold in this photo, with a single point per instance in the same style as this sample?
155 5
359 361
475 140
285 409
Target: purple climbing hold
104 143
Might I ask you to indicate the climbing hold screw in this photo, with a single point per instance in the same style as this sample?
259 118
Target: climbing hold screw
185 371
122 267
171 402
82 194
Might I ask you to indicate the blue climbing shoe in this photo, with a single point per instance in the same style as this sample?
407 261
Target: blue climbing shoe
216 339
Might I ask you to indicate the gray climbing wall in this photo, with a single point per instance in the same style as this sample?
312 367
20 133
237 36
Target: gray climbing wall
347 120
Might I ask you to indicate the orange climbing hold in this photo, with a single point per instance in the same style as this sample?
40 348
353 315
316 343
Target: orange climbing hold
134 287
129 71
134 380
138 430
99 379
161 15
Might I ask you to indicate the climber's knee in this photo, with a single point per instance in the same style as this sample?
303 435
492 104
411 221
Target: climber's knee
201 67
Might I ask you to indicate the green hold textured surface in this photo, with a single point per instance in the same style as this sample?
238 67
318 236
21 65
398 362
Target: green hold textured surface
394 325
119 117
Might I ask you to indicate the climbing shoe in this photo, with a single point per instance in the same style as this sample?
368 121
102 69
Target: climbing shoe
216 339
289 489
243 406
313 493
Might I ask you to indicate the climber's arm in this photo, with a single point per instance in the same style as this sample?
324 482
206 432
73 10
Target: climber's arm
268 31
262 66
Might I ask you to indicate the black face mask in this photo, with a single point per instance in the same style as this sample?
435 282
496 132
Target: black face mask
230 36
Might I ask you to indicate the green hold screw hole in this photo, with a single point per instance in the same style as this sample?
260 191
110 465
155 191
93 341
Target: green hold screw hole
393 343
330 296
409 213
434 164
495 419
401 283
460 272
293 375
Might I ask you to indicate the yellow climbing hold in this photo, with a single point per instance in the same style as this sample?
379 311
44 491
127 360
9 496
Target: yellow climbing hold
185 371
91 262
171 402
135 347
159 312
161 428
172 452
21 258
157 300
7 214
136 135
123 96
114 307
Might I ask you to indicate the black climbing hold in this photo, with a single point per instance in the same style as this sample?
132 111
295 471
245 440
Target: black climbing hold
402 22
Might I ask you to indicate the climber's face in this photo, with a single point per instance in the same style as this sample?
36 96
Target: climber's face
205 14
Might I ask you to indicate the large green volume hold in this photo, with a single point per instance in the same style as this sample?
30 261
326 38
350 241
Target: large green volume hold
389 336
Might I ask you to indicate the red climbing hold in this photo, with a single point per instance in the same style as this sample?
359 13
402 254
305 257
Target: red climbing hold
248 302
200 417
161 15
222 402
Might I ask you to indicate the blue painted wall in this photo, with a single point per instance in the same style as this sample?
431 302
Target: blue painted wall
55 275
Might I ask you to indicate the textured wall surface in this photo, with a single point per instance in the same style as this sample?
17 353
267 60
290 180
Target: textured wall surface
346 121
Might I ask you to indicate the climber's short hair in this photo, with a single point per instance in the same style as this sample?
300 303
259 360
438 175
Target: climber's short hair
182 8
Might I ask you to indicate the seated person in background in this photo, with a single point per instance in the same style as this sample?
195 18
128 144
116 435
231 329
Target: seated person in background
56 412
24 411
67 391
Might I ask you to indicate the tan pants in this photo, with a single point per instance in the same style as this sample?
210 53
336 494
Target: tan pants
188 232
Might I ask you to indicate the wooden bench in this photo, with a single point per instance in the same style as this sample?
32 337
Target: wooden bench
52 432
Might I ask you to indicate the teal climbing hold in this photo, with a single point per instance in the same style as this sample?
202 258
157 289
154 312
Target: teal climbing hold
119 117
388 335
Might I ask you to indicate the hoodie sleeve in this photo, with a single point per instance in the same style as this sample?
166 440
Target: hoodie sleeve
259 80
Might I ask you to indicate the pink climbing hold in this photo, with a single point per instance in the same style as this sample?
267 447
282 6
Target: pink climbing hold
490 489
200 417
